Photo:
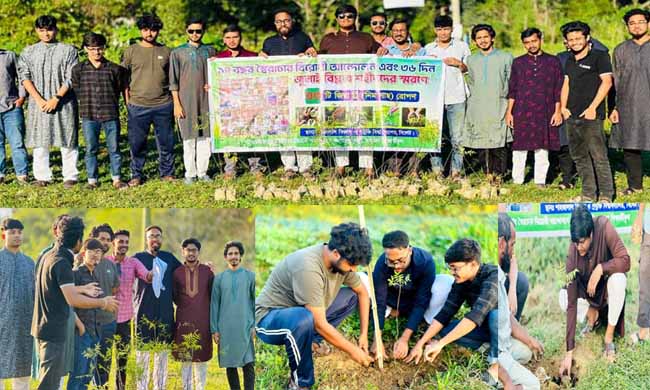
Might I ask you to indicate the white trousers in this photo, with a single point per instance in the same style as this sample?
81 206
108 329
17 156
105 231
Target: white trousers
289 160
343 158
159 369
194 375
16 383
616 284
196 156
42 170
519 165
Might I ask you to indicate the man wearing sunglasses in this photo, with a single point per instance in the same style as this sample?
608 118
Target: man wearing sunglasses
188 78
45 71
348 40
378 26
411 298
475 283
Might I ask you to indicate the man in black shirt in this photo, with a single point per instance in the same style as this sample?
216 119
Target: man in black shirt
98 84
55 293
587 81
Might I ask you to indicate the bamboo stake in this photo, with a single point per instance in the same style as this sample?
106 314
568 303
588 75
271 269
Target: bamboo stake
375 315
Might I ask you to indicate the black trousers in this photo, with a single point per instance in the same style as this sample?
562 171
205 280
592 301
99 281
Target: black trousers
123 348
633 168
249 377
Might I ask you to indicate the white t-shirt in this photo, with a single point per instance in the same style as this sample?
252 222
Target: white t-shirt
455 88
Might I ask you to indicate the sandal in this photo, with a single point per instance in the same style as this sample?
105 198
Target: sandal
489 380
631 191
321 349
609 352
637 340
564 186
589 328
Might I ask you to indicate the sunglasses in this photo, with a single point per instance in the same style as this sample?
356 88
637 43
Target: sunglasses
377 23
346 16
199 31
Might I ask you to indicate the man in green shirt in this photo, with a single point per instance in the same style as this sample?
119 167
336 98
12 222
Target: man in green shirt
302 302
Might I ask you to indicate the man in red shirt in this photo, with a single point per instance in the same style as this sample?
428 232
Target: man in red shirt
232 40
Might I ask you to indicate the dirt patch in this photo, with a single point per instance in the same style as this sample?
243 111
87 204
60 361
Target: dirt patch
547 370
337 372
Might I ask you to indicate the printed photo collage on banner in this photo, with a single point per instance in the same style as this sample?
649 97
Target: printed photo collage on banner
333 195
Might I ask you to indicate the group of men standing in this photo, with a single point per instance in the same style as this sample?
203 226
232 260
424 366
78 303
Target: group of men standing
312 291
492 103
78 299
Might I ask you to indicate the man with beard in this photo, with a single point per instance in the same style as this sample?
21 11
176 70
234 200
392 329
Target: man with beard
302 302
129 268
486 130
454 53
517 282
596 264
475 283
188 79
148 100
290 41
378 26
155 306
587 81
45 70
192 288
55 295
232 317
107 275
631 116
98 84
17 306
347 40
534 107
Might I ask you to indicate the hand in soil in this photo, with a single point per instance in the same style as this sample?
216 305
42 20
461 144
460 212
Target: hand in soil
536 347
373 350
361 357
565 367
432 350
400 349
415 355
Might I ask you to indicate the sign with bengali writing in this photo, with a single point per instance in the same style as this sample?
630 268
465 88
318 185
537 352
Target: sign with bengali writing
331 102
552 219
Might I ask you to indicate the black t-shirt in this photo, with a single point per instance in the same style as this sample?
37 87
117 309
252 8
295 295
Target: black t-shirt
51 310
584 81
297 42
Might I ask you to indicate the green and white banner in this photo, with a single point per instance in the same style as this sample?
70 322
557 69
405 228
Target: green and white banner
331 102
552 219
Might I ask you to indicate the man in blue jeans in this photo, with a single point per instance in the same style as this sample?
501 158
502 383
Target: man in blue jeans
98 84
475 284
302 302
149 100
12 122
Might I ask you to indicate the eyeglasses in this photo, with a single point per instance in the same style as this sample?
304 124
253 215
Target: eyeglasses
401 261
150 236
283 21
96 49
640 23
377 23
199 31
346 16
454 270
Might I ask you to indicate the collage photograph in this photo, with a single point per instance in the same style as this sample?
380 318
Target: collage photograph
324 195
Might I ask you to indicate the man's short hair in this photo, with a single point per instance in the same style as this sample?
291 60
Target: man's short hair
505 226
345 9
283 11
483 27
232 28
122 232
151 227
464 250
10 223
582 223
149 21
46 21
636 11
189 241
57 220
395 239
92 244
92 39
71 231
103 228
234 244
195 20
443 21
575 26
399 21
352 243
529 32
378 13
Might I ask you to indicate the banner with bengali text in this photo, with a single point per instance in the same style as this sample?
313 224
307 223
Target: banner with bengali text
331 102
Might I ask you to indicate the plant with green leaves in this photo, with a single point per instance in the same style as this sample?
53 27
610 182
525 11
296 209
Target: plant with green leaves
400 280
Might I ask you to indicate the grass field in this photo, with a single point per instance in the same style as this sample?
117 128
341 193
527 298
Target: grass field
281 230
542 259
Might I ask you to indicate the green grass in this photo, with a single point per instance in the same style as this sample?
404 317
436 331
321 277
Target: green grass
282 230
542 259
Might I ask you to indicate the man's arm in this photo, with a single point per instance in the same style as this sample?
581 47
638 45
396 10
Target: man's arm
75 299
364 314
601 94
564 98
520 333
